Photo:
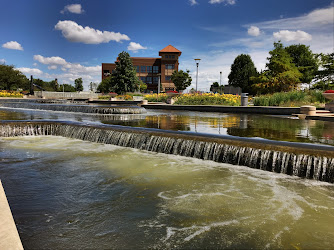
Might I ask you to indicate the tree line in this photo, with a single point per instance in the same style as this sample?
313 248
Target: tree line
12 79
287 67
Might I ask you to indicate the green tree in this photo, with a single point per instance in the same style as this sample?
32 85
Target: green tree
12 79
181 79
143 86
242 70
105 85
66 88
78 84
325 75
216 88
304 60
124 78
281 74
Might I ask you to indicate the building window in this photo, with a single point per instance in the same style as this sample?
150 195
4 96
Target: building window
169 66
137 69
155 69
143 78
166 56
155 79
106 72
149 79
170 57
149 69
167 78
143 69
173 56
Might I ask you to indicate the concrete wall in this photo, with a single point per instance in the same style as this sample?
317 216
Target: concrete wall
9 237
227 109
66 95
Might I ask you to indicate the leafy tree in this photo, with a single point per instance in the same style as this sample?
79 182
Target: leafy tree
143 86
304 60
78 84
124 78
216 88
242 70
66 88
12 79
181 79
105 85
281 74
325 76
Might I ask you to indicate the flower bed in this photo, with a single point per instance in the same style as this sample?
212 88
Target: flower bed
162 97
208 99
14 94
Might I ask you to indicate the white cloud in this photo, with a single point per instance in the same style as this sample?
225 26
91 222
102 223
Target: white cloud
193 2
253 31
287 36
73 8
52 67
77 33
135 47
2 61
226 2
12 45
30 71
70 71
54 60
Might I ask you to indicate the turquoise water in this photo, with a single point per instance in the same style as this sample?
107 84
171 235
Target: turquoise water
68 193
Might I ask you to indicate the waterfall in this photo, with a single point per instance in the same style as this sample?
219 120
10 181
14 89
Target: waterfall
76 108
306 161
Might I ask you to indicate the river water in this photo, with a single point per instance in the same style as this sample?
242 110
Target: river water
71 194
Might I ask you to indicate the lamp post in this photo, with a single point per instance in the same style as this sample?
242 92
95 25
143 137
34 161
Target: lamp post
197 62
159 76
220 82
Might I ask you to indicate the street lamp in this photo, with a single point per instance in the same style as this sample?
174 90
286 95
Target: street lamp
197 62
220 83
159 76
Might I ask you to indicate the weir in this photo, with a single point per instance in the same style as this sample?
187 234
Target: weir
76 108
298 159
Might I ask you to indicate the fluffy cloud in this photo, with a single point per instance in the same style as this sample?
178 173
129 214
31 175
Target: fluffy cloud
30 71
193 2
226 2
70 71
74 32
12 45
73 8
2 61
54 60
135 47
287 35
253 31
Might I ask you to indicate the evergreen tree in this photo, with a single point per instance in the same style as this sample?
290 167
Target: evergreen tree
124 78
181 79
242 70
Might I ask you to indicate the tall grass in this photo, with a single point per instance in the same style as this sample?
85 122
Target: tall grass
293 98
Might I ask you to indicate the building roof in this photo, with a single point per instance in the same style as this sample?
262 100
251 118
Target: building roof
170 48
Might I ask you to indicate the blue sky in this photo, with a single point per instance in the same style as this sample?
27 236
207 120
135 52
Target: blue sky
70 39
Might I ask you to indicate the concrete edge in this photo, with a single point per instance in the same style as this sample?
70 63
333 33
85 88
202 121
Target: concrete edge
9 236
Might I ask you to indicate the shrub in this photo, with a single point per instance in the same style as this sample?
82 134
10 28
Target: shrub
208 99
162 97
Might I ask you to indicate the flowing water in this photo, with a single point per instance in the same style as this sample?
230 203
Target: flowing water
66 193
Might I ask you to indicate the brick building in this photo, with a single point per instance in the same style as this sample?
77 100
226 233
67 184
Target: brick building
149 69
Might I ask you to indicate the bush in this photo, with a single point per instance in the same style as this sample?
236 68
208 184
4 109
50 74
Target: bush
292 98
